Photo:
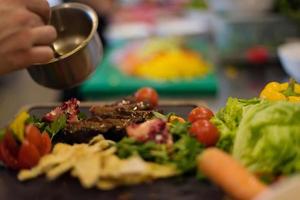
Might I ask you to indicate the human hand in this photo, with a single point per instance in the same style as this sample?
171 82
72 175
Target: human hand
24 35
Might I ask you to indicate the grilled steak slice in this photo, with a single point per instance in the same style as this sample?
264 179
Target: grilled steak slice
109 120
121 110
85 130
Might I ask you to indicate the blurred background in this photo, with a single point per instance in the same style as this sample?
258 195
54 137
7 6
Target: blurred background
189 50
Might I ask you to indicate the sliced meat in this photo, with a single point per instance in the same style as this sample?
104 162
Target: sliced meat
85 130
109 120
120 110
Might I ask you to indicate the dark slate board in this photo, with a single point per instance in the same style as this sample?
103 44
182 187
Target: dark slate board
66 187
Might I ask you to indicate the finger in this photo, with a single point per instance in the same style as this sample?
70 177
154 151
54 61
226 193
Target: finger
23 17
40 54
21 40
40 7
24 59
26 39
43 35
32 20
16 20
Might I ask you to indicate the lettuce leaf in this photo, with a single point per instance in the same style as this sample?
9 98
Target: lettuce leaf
228 119
264 136
268 138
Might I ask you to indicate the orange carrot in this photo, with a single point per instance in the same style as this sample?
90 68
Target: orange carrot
230 175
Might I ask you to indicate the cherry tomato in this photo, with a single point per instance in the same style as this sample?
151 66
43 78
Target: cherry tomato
34 136
28 155
7 157
147 94
200 112
257 55
205 132
46 141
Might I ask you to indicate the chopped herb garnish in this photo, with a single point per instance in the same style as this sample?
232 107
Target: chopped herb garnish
182 153
54 127
159 115
37 122
81 116
2 133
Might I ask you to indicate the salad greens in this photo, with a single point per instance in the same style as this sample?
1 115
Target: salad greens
263 135
185 152
52 128
81 116
58 124
149 151
2 133
268 138
182 153
228 119
162 116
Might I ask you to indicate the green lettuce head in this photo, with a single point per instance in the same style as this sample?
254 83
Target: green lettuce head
267 139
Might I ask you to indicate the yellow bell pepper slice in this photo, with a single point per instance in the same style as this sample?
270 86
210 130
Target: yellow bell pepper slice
18 125
275 91
272 95
294 99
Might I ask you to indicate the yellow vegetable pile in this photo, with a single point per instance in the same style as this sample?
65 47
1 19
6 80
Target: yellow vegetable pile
95 164
180 64
162 59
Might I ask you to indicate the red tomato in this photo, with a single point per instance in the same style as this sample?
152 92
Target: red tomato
205 132
33 147
11 144
1 157
46 141
9 151
34 136
28 155
200 112
147 94
7 157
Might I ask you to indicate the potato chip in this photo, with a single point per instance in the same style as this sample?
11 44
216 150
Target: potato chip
95 164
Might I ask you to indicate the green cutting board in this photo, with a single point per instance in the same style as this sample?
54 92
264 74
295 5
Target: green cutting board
108 81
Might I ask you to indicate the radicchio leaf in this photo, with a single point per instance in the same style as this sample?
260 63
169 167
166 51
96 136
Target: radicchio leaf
69 108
